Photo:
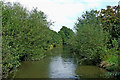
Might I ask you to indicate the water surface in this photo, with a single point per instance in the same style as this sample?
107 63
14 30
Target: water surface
59 63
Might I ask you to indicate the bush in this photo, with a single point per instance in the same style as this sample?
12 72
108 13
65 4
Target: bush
26 36
97 38
89 37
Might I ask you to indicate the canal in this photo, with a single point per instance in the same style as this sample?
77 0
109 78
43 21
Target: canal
59 63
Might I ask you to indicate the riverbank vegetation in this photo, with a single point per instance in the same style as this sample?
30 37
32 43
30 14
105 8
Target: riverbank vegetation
97 39
26 35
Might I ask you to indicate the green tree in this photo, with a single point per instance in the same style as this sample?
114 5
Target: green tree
25 36
95 41
111 20
66 34
89 37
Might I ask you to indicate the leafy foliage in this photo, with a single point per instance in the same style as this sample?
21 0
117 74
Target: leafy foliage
26 36
96 40
89 37
111 20
66 34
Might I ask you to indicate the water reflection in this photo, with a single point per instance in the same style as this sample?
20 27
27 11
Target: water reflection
89 71
61 68
58 63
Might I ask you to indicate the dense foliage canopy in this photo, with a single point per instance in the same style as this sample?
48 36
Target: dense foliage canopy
97 38
26 36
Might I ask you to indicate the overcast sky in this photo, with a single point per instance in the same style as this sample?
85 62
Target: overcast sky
64 12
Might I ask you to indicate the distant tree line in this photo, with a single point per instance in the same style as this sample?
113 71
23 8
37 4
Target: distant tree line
66 34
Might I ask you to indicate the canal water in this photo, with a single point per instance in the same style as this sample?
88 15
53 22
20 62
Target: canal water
59 63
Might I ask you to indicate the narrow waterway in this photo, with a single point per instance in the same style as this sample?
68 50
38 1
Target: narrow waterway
59 63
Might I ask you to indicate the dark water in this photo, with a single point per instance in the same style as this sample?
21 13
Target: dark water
58 63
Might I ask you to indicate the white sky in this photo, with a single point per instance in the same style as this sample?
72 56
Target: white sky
64 12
